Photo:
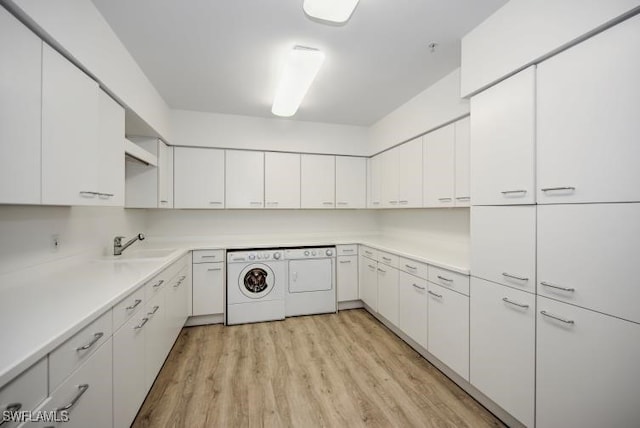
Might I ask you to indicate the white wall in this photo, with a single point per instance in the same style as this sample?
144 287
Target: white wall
85 35
26 232
435 106
523 31
190 128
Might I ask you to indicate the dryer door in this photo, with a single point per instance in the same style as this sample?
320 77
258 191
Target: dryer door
310 275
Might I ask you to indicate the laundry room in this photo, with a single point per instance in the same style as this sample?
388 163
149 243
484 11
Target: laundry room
319 213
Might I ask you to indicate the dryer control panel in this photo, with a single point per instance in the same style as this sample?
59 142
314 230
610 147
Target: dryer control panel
310 253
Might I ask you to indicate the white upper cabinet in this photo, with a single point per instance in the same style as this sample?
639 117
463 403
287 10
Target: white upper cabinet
503 142
503 245
351 182
244 179
69 133
588 120
318 181
374 173
410 174
198 178
110 166
438 167
463 161
282 180
389 184
20 109
165 175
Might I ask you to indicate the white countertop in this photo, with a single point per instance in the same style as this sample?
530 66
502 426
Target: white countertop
45 306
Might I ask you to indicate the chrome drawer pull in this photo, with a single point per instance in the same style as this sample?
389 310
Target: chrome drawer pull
348 250
215 202
555 317
445 279
511 192
179 283
411 267
86 194
155 309
213 269
139 326
164 201
511 302
551 189
439 296
345 261
13 407
445 199
327 203
343 203
404 202
393 202
557 287
463 198
382 270
135 303
386 258
158 284
371 267
520 278
208 257
95 339
81 390
418 287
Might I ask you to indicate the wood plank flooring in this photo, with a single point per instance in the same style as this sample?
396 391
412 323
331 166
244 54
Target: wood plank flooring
337 370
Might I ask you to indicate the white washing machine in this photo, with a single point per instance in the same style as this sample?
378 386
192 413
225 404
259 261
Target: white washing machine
312 281
256 281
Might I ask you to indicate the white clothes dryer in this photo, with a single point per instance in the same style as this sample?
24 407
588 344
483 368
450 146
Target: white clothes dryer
256 282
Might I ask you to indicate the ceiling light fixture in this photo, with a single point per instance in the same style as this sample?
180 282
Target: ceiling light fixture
330 10
301 68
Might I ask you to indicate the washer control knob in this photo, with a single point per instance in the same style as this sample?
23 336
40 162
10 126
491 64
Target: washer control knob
276 256
306 253
313 253
259 256
329 252
266 255
252 256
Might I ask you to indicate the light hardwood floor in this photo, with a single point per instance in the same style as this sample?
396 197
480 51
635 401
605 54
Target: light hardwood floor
337 370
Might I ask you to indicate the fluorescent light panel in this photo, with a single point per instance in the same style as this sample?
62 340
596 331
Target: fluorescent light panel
301 68
330 10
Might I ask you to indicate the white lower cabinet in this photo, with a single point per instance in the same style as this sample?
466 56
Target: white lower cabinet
368 282
347 278
177 301
448 328
586 368
208 288
154 339
413 303
25 392
388 292
502 347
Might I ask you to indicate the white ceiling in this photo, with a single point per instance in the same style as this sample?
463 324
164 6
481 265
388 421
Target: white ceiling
224 56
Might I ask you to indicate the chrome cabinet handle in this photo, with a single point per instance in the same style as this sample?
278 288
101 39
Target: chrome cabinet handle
411 267
139 326
382 270
255 203
13 407
393 202
445 199
557 287
555 317
463 198
444 279
511 302
386 258
345 261
371 267
439 296
81 390
215 202
213 269
87 194
327 203
178 284
375 203
135 303
158 284
343 203
404 202
551 189
348 250
520 278
512 192
155 309
208 257
164 201
418 287
93 341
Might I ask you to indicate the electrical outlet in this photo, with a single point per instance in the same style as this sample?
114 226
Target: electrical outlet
55 241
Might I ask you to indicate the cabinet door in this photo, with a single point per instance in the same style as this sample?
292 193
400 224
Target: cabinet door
588 123
375 182
110 166
69 132
177 304
502 347
439 163
20 109
448 328
282 180
244 179
413 307
368 282
318 181
347 278
141 181
165 175
586 368
154 338
388 293
410 174
208 288
503 245
351 182
588 256
389 179
198 178
463 163
503 142
129 387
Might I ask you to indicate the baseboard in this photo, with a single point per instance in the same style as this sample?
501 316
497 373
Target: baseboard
351 304
205 320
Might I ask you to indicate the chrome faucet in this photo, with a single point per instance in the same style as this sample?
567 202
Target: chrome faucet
118 247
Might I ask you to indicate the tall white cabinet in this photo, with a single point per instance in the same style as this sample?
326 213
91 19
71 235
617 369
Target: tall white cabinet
198 178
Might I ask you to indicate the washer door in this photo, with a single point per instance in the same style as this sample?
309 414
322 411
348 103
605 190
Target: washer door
256 281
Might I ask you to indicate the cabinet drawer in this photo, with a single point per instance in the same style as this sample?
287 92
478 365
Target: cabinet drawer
452 280
71 354
413 267
128 307
369 252
347 250
388 259
208 256
26 391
